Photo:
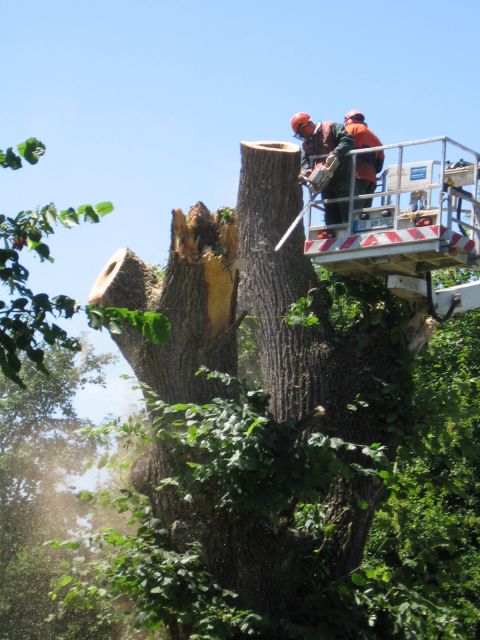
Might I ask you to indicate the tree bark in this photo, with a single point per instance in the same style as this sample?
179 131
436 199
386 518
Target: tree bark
292 359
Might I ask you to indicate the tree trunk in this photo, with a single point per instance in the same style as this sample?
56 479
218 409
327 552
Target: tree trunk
316 375
313 375
292 359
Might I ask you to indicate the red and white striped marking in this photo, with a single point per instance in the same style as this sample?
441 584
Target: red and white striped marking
366 240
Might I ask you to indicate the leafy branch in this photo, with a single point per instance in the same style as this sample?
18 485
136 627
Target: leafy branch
26 317
30 150
236 451
155 327
300 314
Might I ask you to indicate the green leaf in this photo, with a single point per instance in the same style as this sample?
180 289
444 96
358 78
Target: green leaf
10 159
86 496
19 303
13 361
69 217
64 581
69 222
115 538
103 208
43 251
115 327
336 443
37 356
53 544
42 301
180 406
358 579
32 149
34 234
155 327
255 423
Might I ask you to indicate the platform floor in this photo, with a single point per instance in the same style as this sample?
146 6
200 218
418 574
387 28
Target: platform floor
427 249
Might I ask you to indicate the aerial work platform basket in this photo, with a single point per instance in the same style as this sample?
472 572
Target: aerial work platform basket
424 214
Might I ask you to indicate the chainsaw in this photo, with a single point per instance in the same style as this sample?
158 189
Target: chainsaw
317 180
321 174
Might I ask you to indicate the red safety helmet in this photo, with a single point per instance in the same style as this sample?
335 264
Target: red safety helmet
302 125
354 116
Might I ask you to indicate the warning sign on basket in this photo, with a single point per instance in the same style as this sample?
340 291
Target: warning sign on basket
414 175
418 173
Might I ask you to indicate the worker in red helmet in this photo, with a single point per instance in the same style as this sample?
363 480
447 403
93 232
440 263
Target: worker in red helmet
330 140
367 164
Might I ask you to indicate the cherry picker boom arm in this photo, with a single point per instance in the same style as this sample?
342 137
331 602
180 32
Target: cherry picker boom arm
446 302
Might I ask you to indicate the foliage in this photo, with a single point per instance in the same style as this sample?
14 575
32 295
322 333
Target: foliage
27 317
300 314
40 447
31 150
40 442
420 576
225 214
251 467
355 301
249 463
153 326
25 604
425 538
168 587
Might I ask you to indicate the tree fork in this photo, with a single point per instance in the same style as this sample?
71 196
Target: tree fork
197 292
311 374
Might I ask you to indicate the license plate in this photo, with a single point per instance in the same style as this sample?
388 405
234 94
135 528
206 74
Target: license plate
374 223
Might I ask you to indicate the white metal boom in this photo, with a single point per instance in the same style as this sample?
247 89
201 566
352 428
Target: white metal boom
465 296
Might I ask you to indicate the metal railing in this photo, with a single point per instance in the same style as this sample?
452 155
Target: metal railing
449 198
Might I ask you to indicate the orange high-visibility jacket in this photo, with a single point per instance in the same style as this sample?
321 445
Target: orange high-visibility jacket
368 164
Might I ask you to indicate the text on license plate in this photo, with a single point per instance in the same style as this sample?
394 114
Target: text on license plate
374 223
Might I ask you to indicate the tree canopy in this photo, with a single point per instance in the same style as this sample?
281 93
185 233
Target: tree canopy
41 449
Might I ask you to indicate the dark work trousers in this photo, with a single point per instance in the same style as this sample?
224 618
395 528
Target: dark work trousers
362 187
336 212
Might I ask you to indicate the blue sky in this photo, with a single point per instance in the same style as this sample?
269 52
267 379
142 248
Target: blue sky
144 103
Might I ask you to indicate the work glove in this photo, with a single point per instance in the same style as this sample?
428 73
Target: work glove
331 159
303 176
